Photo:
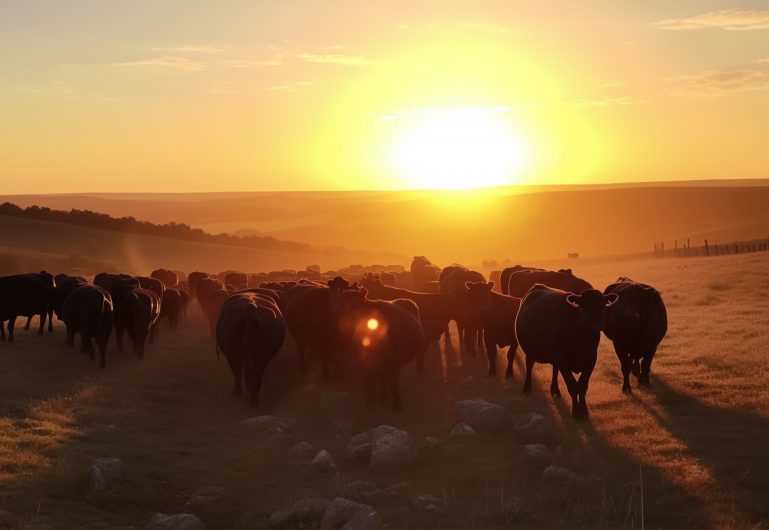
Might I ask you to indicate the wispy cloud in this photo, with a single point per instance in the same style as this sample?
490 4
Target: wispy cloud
250 63
181 64
753 76
334 58
289 88
191 49
729 19
65 90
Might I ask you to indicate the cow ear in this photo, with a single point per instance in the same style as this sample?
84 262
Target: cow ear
573 299
490 285
611 299
468 285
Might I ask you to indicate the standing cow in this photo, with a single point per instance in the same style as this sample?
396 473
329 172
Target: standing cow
520 282
562 329
25 295
250 330
497 313
636 325
142 309
118 286
87 310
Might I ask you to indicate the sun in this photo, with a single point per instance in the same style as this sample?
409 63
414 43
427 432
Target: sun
459 148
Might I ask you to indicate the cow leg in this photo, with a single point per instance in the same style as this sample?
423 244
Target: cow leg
50 320
11 324
26 326
152 333
574 391
510 360
70 341
255 383
491 354
626 364
527 383
481 343
646 366
41 329
2 331
237 376
555 391
119 337
582 385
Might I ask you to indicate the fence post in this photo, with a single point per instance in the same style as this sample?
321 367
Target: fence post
707 250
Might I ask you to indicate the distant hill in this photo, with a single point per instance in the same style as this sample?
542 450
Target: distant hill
521 224
31 244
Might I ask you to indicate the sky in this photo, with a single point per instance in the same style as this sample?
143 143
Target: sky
192 95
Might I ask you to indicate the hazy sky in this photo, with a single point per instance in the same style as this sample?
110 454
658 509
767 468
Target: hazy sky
185 95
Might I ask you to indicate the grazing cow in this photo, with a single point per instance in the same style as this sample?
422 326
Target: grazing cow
65 284
168 277
25 295
87 309
498 313
171 307
520 282
504 277
142 309
383 336
118 286
636 325
250 331
562 329
204 287
310 322
238 280
434 310
452 283
422 272
212 304
192 281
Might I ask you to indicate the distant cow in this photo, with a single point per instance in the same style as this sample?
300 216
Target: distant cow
238 280
212 305
171 307
168 277
192 281
25 295
636 325
383 336
520 282
562 329
504 276
87 310
498 313
65 284
422 272
142 309
249 332
184 294
118 286
452 282
204 287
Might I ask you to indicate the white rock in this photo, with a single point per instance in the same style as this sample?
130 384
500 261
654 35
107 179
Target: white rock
179 521
271 423
104 472
302 450
364 520
482 415
323 461
462 430
339 511
391 447
533 427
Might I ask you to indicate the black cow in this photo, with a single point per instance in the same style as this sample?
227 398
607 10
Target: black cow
212 305
498 313
452 282
168 277
204 287
65 284
118 286
249 331
423 272
87 309
562 329
636 325
192 281
25 295
520 282
383 336
171 307
504 276
238 280
142 309
434 310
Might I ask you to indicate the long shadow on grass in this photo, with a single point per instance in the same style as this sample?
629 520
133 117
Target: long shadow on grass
729 441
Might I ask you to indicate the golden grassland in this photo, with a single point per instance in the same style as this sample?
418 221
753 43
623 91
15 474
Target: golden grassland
697 436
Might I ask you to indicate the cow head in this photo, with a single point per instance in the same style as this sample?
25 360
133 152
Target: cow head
479 294
591 305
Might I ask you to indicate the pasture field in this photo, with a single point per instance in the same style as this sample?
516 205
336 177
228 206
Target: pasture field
693 446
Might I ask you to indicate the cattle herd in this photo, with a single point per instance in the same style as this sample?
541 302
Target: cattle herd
375 322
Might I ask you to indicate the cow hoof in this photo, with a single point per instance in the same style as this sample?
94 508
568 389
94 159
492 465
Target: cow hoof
492 372
626 389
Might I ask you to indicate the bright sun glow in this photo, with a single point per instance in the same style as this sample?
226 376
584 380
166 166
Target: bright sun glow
372 324
459 148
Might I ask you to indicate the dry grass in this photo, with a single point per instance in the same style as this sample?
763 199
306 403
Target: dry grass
699 433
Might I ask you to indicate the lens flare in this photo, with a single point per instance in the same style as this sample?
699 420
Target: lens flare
366 341
372 324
